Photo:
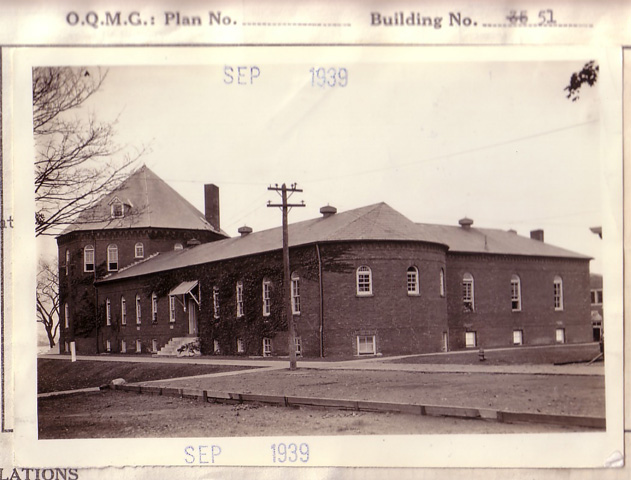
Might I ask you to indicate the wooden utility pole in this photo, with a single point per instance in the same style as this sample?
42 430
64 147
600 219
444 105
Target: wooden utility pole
285 207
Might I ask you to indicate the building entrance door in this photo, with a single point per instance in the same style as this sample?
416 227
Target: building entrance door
192 317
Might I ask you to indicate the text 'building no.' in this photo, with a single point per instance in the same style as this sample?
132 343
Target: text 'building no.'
144 271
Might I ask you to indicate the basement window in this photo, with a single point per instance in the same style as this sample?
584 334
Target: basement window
560 335
123 346
267 347
154 346
366 345
470 339
138 346
240 346
108 346
518 337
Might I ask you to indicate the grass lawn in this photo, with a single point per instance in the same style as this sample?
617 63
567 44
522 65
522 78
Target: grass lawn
60 375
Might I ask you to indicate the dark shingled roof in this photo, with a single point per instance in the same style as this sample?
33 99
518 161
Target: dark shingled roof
374 222
149 202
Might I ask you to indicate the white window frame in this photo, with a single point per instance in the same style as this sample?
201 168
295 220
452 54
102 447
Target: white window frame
267 347
412 281
154 307
364 281
138 346
471 339
558 293
139 250
112 257
295 293
66 316
138 310
216 310
108 312
154 345
123 346
515 289
298 345
267 298
115 211
88 258
442 287
518 337
171 309
108 345
240 345
366 344
216 347
559 335
468 292
596 295
123 311
239 299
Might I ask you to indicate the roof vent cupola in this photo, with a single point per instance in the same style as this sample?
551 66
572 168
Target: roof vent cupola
328 210
465 223
244 230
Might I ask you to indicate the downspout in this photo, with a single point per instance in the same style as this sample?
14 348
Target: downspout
321 312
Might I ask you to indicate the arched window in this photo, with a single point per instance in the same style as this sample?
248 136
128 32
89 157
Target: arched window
267 297
442 282
123 311
295 293
515 293
468 299
364 281
154 307
88 258
558 293
112 258
117 209
412 281
138 310
139 250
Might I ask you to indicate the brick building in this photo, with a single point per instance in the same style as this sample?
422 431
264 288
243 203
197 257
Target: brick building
124 227
366 281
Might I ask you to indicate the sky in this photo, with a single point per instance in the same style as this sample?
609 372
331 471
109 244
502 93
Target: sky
437 139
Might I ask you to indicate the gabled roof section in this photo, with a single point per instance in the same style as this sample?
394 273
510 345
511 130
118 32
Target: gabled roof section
149 202
494 241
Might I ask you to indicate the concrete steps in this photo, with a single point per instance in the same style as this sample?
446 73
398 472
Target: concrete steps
171 348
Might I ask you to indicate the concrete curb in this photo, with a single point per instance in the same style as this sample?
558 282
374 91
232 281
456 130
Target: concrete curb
366 406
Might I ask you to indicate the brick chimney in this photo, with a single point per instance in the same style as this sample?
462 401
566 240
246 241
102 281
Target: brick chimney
537 235
211 204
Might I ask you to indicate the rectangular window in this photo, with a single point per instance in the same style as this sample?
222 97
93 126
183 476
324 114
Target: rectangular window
366 345
154 308
108 346
518 337
558 294
445 347
123 346
597 297
560 335
239 299
108 312
240 346
154 346
442 282
123 311
364 281
216 302
515 289
298 344
112 258
267 347
88 258
67 266
467 293
138 346
412 281
470 339
138 310
295 295
66 316
267 303
139 250
216 348
171 308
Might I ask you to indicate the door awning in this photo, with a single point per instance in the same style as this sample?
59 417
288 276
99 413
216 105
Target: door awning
184 288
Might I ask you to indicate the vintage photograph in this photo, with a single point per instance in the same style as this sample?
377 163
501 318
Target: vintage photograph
319 245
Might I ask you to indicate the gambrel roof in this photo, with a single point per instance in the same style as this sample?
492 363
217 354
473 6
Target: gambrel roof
378 222
148 202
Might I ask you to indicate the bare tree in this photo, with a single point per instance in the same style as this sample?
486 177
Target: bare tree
77 159
48 298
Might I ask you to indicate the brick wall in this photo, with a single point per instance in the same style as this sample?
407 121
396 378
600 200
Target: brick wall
494 321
